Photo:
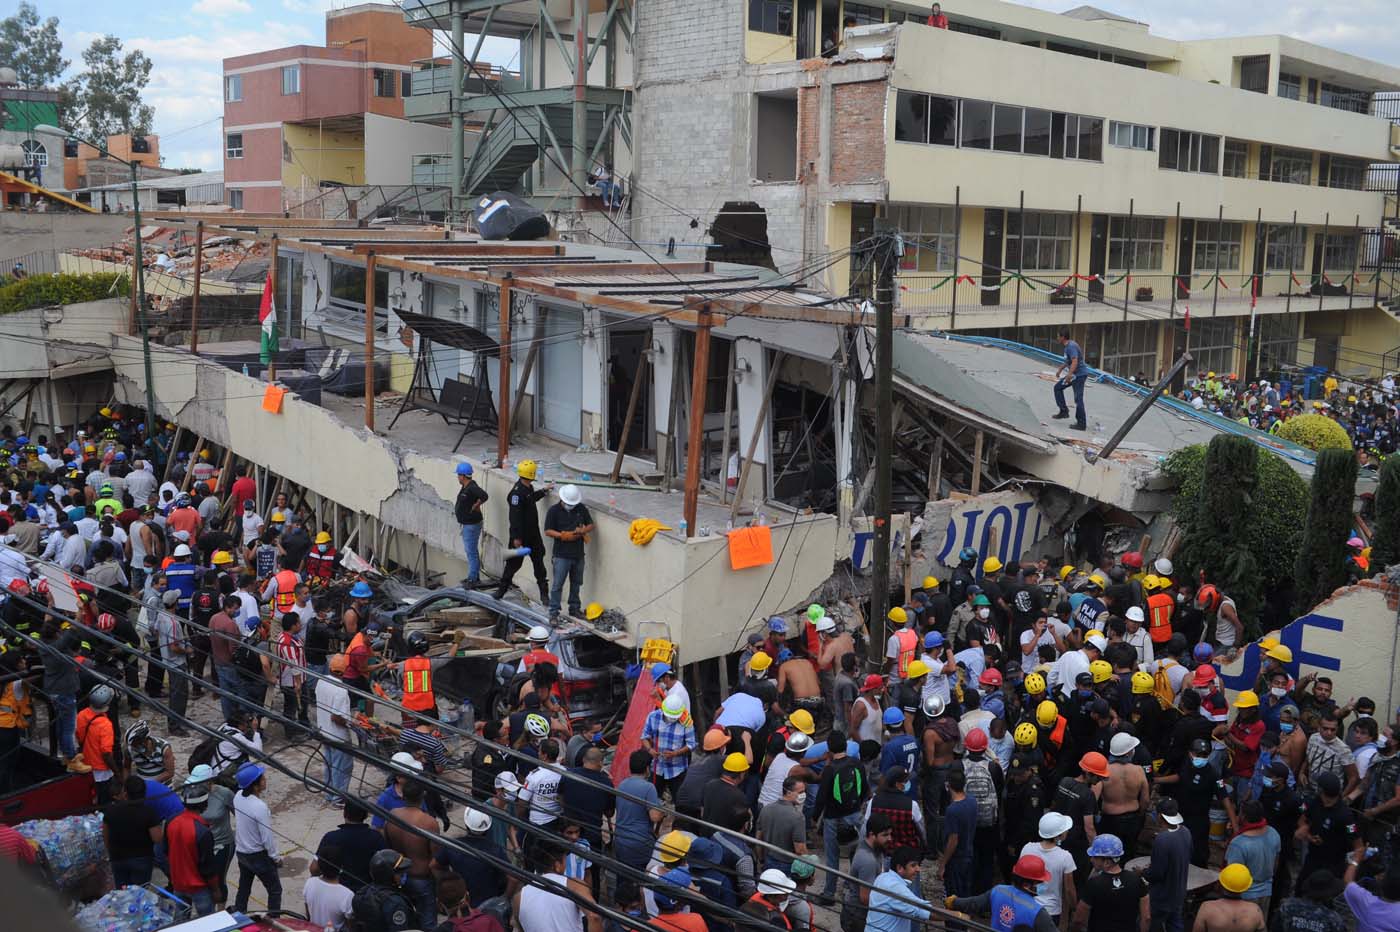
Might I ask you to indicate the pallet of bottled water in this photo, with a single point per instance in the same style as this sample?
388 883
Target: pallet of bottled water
131 909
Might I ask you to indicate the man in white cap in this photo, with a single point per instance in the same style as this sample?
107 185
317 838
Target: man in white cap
1074 662
1137 636
478 866
1056 895
566 523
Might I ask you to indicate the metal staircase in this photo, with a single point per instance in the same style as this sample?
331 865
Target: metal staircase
509 148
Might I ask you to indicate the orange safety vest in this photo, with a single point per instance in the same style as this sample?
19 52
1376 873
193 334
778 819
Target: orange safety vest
14 712
286 597
418 684
908 645
1159 614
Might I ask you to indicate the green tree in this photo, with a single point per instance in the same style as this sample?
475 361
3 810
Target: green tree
1321 565
1385 546
32 47
1224 507
105 98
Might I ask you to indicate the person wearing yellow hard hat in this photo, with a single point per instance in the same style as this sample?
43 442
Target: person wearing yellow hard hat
1232 910
1241 738
902 646
321 560
523 532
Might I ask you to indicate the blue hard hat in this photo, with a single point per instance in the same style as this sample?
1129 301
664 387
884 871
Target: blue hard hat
784 654
893 717
1203 652
1106 846
777 625
361 590
22 439
248 774
120 457
967 553
464 469
933 639
658 670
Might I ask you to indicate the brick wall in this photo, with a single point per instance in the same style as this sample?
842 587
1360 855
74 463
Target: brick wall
858 132
809 127
677 40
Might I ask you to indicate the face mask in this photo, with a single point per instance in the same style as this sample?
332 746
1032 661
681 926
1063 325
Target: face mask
907 785
1278 692
1361 715
567 506
1199 762
984 613
1285 727
323 547
1180 597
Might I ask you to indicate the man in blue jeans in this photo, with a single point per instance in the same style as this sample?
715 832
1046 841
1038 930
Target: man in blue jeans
470 498
840 800
61 686
1073 373
567 521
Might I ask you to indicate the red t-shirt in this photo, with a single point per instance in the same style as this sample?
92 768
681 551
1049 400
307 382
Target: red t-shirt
15 847
243 490
1244 759
939 22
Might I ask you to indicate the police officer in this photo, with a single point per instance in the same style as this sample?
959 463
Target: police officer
1281 808
1199 785
381 906
525 528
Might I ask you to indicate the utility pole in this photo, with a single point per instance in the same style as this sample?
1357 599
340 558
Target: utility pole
886 253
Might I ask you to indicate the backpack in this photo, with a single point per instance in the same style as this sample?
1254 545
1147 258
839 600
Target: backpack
203 752
848 785
981 788
1385 773
246 656
1162 684
367 909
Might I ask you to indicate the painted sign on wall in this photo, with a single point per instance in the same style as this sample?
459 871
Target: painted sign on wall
1005 525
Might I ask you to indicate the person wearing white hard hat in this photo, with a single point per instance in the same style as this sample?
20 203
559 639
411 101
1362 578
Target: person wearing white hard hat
568 523
770 899
1136 635
539 651
401 765
478 865
1057 895
1125 795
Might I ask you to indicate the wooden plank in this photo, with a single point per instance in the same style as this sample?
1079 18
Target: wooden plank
529 366
700 370
759 423
189 470
935 469
454 249
632 398
977 463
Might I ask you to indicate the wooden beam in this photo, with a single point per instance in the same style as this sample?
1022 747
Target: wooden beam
170 458
728 413
908 557
977 463
189 470
529 366
530 270
700 370
369 341
762 419
198 278
643 362
503 418
935 470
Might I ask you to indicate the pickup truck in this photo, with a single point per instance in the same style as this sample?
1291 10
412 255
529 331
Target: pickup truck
47 790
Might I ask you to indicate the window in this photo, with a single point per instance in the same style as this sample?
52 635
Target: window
1090 139
771 16
1344 98
291 79
233 88
70 148
1337 172
1339 251
1278 341
1006 128
1290 166
862 13
1140 243
1213 343
1131 136
930 234
1285 247
1254 73
1130 347
35 155
976 129
406 80
1185 151
384 81
1290 86
235 198
1045 245
1236 158
1064 49
233 146
1038 128
971 30
1217 242
348 287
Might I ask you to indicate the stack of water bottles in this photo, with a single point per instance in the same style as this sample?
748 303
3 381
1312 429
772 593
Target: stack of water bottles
127 909
73 846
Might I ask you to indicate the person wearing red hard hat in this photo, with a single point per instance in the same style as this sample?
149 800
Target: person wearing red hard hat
1012 905
984 783
989 685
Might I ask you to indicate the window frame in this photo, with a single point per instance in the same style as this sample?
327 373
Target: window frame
291 77
405 83
230 149
1226 156
233 88
1340 252
378 78
1196 149
1043 230
762 11
1209 241
921 223
1277 248
1139 136
1290 86
1147 233
1291 159
235 198
36 154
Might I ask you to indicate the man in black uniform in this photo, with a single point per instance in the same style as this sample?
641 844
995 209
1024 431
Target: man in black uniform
963 576
525 528
1281 808
1330 829
1025 804
1198 784
382 906
940 607
1027 604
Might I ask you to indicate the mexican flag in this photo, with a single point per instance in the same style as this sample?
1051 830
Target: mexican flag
267 319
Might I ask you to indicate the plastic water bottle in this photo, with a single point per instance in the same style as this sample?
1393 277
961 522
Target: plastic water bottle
685 529
245 369
762 518
612 499
728 525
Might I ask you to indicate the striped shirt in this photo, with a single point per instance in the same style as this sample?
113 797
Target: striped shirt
669 736
433 750
575 866
149 764
293 658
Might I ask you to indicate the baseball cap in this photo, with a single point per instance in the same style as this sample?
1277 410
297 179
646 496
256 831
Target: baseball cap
1330 784
1170 812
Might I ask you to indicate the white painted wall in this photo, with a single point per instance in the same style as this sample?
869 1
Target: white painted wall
391 144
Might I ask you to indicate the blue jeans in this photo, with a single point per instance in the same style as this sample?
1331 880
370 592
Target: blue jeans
833 850
422 892
471 543
201 900
128 872
339 766
573 568
1078 386
228 680
65 710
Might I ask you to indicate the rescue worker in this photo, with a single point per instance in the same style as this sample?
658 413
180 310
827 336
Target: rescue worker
524 530
16 711
770 900
417 673
538 652
1012 906
381 905
281 589
1161 603
320 561
357 615
903 646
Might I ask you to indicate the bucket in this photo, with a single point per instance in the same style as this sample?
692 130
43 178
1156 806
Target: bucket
1219 825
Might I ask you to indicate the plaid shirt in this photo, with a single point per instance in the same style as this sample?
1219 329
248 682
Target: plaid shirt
669 736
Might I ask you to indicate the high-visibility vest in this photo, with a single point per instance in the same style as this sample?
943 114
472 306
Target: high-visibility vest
14 712
286 597
908 645
321 565
1159 614
418 684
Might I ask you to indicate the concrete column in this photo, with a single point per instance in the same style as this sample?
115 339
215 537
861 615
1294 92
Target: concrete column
748 397
665 338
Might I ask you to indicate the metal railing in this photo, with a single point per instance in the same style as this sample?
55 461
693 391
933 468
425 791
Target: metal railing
433 170
437 79
1386 106
43 262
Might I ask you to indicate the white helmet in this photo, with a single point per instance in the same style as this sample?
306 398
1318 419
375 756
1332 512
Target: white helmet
539 633
182 550
1163 566
673 708
476 821
537 725
1122 744
1134 614
774 882
570 495
933 706
406 760
825 624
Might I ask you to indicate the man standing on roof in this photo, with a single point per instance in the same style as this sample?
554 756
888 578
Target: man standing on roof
522 504
1072 374
568 522
470 498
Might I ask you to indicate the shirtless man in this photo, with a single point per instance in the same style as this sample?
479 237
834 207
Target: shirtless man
834 646
1125 795
799 675
1230 914
420 887
1293 740
939 738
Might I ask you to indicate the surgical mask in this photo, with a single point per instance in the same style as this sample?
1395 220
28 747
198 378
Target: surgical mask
984 613
403 878
1199 762
567 506
323 547
1361 715
1286 727
1180 597
907 785
802 799
1278 692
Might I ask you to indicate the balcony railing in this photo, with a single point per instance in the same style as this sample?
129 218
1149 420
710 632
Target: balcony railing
437 79
434 170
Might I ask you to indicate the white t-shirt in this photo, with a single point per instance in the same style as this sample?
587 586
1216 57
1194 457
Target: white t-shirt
248 615
1032 660
772 789
332 698
546 911
1224 631
252 527
541 791
1067 668
936 683
1058 861
327 904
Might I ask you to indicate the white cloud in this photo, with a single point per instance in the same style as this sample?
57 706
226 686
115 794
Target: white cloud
220 8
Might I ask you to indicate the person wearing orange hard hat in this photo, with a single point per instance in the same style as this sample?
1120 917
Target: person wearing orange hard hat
1075 798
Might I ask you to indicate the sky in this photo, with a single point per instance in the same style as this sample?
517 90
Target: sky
187 41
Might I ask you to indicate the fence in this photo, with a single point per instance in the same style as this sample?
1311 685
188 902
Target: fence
44 262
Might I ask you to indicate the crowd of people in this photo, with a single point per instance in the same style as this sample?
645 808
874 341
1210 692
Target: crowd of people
1031 745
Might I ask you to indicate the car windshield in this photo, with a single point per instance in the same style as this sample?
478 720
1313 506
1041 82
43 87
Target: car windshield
590 651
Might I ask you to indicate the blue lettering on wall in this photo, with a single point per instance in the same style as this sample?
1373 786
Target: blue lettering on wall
1015 532
1292 637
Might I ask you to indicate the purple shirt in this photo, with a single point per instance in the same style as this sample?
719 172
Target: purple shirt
1373 914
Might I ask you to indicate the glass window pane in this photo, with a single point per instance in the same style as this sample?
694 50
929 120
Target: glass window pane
1090 139
976 124
911 117
1037 132
943 121
1057 136
1008 128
